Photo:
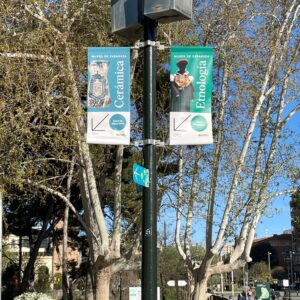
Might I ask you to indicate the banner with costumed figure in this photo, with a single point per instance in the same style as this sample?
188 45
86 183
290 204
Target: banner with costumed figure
108 101
191 89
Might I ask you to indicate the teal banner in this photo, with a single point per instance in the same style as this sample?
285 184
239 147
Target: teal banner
191 73
108 99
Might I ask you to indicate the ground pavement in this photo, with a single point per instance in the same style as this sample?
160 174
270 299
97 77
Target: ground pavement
293 295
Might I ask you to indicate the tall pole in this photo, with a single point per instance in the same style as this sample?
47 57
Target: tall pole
222 284
232 284
149 239
165 235
269 263
245 283
291 260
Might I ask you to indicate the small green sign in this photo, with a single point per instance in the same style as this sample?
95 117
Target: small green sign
140 175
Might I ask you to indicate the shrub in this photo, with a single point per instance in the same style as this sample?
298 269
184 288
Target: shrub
34 296
57 281
42 284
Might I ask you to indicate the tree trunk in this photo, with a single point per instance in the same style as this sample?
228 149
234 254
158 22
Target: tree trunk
89 284
103 284
201 276
35 250
200 292
20 257
191 286
65 279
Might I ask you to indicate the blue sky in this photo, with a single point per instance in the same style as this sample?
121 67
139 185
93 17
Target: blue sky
280 221
277 222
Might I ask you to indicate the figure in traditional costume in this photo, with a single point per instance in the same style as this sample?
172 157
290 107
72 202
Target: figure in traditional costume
182 90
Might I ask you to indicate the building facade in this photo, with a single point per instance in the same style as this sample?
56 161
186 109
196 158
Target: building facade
47 255
283 251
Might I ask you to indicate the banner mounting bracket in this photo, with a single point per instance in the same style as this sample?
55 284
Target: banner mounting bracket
149 142
157 44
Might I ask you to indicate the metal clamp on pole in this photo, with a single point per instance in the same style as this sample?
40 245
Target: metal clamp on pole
149 142
153 142
139 45
161 47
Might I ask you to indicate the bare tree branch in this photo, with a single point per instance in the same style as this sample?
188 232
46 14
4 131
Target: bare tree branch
65 199
27 56
40 16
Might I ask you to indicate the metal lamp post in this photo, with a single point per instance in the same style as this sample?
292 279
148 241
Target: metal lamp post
129 17
222 284
149 239
232 284
245 282
291 261
269 262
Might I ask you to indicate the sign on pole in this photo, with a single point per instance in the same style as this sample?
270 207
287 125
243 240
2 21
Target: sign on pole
191 89
140 175
262 291
135 293
108 101
179 283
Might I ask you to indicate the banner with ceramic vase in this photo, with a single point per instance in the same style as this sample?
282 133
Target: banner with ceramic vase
191 88
108 100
